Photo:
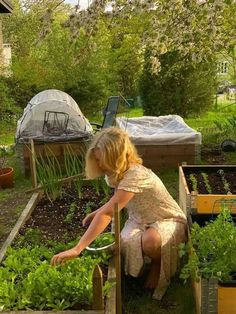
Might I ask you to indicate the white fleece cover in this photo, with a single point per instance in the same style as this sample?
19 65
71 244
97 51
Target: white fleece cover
162 130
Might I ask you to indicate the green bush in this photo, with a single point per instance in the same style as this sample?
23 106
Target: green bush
181 87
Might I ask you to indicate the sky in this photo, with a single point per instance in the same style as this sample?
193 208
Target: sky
83 3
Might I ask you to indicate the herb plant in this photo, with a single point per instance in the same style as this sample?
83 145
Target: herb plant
193 180
211 251
206 182
49 173
89 206
28 281
71 212
102 240
224 181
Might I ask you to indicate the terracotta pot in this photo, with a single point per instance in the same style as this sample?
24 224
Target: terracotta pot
6 178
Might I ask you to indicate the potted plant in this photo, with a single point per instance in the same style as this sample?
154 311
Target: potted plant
211 262
6 173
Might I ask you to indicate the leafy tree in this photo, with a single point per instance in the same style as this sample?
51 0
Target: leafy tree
181 87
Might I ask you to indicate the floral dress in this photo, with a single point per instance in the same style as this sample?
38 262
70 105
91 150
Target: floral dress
151 206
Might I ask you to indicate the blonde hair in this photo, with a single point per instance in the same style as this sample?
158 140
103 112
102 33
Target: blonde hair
117 153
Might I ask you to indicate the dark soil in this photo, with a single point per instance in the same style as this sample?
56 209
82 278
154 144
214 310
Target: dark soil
215 179
51 218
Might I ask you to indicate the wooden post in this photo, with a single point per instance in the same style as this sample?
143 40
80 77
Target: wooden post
98 300
117 259
33 164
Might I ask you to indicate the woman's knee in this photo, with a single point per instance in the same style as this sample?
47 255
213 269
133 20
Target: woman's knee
151 241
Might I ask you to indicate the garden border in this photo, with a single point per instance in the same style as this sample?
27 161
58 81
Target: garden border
194 203
210 297
110 302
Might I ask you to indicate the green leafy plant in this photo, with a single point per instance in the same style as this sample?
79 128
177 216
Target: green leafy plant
102 240
89 206
71 212
224 181
211 251
6 151
28 281
193 180
206 182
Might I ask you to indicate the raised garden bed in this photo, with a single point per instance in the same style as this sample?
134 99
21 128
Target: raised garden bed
203 189
212 295
46 223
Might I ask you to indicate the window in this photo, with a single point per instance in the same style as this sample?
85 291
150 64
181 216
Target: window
223 67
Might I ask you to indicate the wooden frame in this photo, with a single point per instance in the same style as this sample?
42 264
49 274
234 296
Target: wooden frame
57 149
158 157
194 203
98 300
212 297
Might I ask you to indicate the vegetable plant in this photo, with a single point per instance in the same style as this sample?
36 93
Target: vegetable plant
71 212
211 251
193 180
206 182
28 281
102 240
224 181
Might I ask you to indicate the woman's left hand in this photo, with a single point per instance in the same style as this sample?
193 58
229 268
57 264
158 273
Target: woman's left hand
62 257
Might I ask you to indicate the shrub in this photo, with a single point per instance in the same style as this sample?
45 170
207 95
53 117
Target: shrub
181 87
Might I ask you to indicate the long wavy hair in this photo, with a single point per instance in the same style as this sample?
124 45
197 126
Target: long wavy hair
117 153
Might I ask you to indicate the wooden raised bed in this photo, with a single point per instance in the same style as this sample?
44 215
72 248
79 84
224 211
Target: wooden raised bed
212 297
100 306
158 157
193 202
57 149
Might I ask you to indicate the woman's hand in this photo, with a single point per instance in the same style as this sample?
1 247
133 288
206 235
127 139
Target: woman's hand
88 219
62 257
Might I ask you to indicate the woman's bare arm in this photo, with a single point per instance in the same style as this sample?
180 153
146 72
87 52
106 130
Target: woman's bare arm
100 221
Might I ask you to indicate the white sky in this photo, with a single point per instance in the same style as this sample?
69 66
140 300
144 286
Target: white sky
83 3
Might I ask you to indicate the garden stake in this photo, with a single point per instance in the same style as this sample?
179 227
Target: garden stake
98 301
33 164
117 259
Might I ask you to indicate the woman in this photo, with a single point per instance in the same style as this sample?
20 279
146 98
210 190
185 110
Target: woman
156 224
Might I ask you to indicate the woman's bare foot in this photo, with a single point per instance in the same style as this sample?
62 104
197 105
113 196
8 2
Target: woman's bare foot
153 276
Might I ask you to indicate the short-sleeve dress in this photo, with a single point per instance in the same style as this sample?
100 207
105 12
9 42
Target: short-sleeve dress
151 206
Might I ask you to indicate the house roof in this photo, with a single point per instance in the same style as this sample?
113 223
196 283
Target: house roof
5 6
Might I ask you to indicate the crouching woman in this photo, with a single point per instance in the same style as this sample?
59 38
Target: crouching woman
156 224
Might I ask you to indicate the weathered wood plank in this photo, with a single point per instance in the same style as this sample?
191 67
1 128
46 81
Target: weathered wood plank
33 164
24 216
111 298
117 259
98 300
54 312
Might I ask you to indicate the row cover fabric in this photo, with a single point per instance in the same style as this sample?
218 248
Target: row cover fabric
32 122
162 130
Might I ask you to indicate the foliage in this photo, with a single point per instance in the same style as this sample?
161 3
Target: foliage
193 180
5 152
69 217
224 181
49 174
29 282
102 240
211 251
181 87
206 182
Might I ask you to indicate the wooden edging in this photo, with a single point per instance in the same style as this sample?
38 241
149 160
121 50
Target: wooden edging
110 307
23 217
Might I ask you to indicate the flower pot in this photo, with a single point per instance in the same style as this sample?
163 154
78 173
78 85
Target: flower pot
6 178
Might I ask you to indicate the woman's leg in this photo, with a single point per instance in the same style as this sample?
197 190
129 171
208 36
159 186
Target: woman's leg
151 246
